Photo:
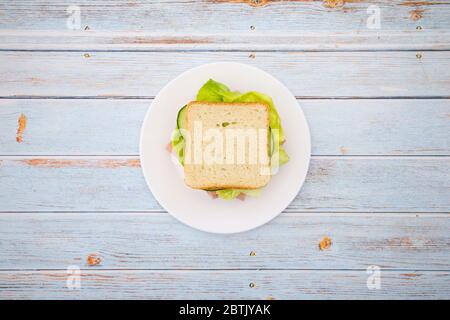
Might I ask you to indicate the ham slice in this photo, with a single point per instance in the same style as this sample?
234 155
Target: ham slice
169 147
241 196
212 194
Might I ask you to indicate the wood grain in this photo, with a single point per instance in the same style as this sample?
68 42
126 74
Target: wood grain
306 74
338 127
223 16
270 284
344 184
243 41
307 25
157 241
378 185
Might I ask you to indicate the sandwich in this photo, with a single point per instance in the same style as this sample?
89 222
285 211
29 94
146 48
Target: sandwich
240 168
230 144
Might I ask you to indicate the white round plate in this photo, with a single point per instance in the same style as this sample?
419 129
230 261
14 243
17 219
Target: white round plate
195 207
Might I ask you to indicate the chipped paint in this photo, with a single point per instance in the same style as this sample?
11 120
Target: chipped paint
262 3
93 260
333 3
410 275
168 40
416 14
77 163
421 3
35 80
135 163
403 242
258 3
22 123
325 243
253 3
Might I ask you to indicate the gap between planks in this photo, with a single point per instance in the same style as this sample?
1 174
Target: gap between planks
286 213
100 97
159 270
257 50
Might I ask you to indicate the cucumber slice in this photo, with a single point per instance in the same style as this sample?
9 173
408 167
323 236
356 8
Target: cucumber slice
181 118
271 143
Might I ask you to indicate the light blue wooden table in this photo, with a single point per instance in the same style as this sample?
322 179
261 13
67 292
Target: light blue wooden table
373 78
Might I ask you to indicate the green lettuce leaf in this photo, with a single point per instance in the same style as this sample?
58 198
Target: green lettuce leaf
178 145
283 156
229 194
213 91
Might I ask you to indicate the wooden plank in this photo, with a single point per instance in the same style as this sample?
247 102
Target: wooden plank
378 127
72 126
208 24
108 127
157 241
344 184
143 74
224 16
273 284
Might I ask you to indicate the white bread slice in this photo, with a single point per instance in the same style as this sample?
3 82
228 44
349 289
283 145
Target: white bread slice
225 172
